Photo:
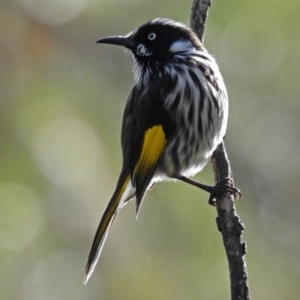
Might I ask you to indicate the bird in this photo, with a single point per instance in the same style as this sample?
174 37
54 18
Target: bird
175 117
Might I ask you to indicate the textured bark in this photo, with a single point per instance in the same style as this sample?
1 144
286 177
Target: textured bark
231 228
198 16
228 222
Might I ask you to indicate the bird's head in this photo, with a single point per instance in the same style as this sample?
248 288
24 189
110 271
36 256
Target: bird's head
158 37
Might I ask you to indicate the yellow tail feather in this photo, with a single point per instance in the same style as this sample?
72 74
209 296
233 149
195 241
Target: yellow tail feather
103 228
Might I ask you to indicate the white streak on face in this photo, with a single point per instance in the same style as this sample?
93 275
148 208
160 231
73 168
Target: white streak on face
141 50
181 46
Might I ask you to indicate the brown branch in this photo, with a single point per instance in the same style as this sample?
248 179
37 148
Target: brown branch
231 228
198 18
228 222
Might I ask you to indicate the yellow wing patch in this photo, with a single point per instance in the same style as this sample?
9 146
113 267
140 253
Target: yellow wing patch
153 146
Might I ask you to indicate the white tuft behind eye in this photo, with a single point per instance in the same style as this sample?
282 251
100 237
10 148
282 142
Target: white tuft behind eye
151 36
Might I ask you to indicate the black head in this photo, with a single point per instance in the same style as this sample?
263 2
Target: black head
157 37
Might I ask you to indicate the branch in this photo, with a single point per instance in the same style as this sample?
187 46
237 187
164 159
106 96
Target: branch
199 14
228 222
231 228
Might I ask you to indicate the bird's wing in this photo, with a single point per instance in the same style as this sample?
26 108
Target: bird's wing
146 130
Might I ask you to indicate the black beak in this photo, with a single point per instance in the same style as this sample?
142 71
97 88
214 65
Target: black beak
125 41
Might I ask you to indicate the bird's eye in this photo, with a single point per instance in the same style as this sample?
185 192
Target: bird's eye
151 36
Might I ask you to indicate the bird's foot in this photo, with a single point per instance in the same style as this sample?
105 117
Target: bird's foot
223 186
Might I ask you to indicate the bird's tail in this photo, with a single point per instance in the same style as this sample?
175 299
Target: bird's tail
124 191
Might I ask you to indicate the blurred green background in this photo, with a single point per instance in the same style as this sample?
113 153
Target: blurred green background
61 103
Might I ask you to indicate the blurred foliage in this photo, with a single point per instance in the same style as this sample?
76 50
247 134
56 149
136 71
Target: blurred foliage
62 98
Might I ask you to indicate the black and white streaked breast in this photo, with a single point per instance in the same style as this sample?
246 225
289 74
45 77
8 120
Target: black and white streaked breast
198 103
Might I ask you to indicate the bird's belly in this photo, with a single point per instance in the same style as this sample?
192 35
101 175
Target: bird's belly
187 153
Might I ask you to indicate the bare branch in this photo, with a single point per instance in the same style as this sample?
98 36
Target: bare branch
231 228
228 222
199 14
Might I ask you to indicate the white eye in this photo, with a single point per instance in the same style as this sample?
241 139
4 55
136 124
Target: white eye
151 36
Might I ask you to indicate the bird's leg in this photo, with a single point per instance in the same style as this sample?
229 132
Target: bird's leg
223 186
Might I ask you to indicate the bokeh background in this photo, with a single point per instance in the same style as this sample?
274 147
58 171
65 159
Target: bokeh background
61 103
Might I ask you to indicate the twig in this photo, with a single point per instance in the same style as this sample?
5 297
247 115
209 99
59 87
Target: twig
228 222
199 14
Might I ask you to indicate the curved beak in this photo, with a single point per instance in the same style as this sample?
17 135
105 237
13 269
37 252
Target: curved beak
125 41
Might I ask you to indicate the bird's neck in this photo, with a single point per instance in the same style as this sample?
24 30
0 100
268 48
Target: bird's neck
153 67
145 70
